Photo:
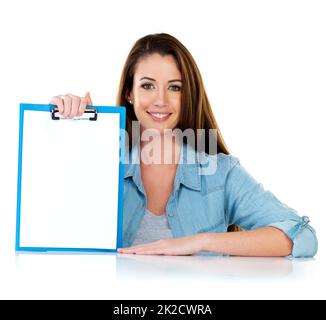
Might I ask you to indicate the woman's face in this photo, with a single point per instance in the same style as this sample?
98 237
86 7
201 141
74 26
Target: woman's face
156 93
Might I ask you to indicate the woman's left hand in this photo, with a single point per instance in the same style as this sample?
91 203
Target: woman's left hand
173 247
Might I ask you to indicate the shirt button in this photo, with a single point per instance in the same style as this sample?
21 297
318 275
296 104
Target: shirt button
170 214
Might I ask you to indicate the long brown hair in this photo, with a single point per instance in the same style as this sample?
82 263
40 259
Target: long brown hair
196 111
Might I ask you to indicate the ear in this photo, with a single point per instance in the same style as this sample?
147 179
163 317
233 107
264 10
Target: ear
130 97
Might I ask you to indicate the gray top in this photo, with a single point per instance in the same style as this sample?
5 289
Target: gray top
152 228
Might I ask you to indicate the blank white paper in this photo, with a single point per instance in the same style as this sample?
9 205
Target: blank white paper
69 182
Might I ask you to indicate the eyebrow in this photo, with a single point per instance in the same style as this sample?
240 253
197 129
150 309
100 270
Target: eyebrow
148 78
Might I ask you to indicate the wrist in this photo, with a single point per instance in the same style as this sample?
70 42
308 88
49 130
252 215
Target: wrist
205 240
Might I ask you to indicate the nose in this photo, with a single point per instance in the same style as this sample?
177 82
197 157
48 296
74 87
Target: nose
161 99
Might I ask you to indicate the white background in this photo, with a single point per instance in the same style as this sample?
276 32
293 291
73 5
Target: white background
263 65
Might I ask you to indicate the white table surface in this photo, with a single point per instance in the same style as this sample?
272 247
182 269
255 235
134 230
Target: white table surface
121 276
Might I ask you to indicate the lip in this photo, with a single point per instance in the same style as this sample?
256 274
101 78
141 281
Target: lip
157 119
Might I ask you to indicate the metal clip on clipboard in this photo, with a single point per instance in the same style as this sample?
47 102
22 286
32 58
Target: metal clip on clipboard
85 115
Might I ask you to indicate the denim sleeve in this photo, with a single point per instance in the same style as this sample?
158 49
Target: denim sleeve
249 206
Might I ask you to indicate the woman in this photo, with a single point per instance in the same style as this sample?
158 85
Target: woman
179 208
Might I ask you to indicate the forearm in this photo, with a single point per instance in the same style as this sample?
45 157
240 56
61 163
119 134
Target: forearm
267 241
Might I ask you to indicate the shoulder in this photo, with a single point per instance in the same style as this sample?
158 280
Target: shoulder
214 169
222 162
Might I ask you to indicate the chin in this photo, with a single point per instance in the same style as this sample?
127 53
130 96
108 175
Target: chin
156 129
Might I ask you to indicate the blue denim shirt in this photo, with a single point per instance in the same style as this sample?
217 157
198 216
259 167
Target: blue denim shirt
211 201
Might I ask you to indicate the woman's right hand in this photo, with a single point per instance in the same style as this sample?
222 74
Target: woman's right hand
71 106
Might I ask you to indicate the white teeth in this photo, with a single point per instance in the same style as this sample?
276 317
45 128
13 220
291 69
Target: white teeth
160 115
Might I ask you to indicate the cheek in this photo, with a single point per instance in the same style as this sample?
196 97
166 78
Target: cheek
143 98
142 101
176 103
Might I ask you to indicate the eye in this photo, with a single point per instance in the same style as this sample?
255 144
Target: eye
147 86
175 88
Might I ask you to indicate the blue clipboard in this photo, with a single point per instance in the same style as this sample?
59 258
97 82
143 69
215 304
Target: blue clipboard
70 179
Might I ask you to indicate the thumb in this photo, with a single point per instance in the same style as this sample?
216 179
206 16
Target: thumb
88 99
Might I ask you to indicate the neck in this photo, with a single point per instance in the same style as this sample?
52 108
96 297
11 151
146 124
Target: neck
159 148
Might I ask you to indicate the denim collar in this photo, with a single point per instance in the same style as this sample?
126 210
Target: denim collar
187 171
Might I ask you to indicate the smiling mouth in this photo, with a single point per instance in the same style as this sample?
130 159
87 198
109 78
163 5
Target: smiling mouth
159 116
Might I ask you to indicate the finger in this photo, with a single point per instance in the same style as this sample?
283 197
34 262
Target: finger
57 101
152 252
88 99
138 247
67 105
82 106
74 106
137 251
127 250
